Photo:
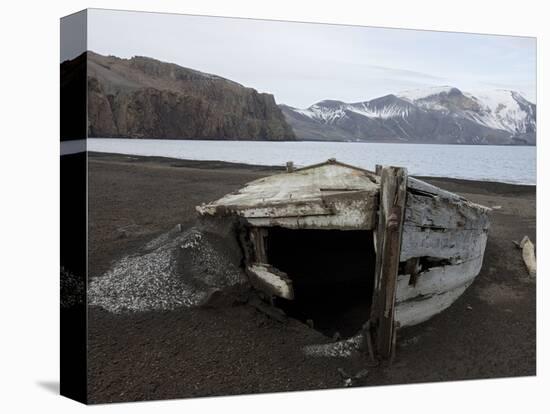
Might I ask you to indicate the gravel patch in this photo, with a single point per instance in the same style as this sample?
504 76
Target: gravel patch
343 349
176 269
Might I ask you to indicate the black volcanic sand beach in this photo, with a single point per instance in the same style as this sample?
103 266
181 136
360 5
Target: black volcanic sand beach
234 349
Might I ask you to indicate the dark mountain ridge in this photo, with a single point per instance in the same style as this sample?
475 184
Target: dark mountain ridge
443 115
143 97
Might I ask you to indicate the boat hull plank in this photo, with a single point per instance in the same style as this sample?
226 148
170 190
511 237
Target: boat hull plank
447 231
437 280
353 210
452 244
413 312
443 213
422 187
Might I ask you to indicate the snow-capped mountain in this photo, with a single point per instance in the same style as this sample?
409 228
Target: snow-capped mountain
431 115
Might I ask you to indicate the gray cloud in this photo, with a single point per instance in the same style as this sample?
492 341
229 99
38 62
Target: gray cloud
302 63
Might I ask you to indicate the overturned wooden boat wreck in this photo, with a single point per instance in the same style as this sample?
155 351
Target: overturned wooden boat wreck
408 249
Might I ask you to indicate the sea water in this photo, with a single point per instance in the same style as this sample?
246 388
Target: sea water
508 164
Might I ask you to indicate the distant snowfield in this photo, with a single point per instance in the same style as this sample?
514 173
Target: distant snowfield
508 164
499 109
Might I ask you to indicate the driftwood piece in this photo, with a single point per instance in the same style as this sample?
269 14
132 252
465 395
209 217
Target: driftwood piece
528 254
393 193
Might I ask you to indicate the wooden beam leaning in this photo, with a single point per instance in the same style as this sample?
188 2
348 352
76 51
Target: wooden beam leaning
393 193
257 237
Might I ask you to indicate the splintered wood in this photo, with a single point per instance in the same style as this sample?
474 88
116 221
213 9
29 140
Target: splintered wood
448 234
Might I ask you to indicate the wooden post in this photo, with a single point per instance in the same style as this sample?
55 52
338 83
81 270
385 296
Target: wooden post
393 192
257 236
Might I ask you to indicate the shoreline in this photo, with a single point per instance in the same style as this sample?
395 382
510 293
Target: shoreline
324 140
227 164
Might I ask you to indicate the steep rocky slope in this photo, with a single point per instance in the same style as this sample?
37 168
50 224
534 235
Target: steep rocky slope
145 98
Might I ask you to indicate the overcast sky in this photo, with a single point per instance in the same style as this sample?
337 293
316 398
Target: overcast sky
303 63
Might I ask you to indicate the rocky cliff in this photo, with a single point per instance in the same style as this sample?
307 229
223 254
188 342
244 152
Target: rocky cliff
145 98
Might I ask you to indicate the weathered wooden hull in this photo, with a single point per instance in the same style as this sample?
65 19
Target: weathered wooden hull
451 233
435 290
439 241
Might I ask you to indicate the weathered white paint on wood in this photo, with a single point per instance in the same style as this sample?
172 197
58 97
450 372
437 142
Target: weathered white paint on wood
311 208
352 211
325 196
270 280
441 225
438 280
303 184
418 310
438 212
454 244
